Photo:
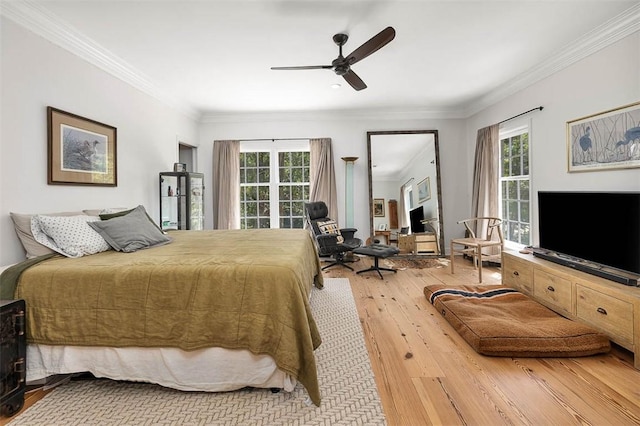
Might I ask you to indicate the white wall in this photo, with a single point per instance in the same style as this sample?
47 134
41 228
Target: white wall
607 79
349 136
388 190
418 170
36 74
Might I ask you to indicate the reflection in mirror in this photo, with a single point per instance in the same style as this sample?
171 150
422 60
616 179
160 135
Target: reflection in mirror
404 190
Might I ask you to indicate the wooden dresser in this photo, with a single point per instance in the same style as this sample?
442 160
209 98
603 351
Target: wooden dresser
425 243
418 243
610 307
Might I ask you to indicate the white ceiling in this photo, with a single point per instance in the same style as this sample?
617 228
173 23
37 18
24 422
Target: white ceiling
214 57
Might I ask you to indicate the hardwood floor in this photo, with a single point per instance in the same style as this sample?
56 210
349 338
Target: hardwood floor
427 375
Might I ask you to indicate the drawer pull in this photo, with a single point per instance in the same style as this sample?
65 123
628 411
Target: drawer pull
602 311
551 288
516 273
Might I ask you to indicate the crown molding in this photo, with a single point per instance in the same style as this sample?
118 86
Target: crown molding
617 28
378 114
42 22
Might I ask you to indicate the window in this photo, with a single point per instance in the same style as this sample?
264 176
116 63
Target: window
515 199
274 185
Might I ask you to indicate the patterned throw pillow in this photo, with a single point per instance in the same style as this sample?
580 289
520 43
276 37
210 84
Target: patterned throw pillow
331 227
22 224
70 236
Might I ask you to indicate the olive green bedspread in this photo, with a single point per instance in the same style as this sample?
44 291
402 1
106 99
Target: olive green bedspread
236 289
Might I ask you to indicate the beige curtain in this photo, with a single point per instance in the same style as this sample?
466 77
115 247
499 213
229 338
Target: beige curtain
226 184
402 216
323 176
486 174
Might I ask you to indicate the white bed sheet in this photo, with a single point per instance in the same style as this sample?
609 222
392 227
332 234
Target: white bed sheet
209 369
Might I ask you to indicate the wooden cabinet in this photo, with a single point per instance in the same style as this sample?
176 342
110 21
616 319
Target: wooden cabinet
425 243
610 307
393 214
418 243
405 243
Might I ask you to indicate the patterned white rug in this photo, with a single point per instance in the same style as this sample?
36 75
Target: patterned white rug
349 394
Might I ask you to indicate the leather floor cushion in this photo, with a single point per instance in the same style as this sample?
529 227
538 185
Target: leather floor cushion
500 321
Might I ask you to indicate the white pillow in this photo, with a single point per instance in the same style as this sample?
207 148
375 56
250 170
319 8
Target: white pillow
70 235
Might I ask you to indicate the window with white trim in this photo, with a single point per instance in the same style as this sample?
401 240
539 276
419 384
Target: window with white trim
515 194
274 185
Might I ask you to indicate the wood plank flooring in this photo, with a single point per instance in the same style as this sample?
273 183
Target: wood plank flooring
427 375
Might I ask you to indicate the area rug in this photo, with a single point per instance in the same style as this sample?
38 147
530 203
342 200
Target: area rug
349 394
406 262
500 321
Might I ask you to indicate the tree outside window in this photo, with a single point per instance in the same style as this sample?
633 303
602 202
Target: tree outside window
273 188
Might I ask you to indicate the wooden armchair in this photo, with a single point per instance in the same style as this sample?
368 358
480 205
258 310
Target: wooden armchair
473 246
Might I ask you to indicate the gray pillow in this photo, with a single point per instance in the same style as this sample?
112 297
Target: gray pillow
130 232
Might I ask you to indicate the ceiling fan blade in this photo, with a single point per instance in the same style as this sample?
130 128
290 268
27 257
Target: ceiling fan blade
373 44
309 67
355 81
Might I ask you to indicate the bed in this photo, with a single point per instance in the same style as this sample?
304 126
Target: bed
210 311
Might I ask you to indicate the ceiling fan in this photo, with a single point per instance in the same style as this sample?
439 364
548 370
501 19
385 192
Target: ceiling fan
342 65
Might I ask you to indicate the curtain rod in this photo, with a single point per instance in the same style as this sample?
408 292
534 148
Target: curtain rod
274 139
408 181
522 113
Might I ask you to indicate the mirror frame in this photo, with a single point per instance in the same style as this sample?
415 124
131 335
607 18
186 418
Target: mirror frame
438 178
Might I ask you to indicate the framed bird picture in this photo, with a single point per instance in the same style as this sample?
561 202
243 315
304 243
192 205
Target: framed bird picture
81 151
606 140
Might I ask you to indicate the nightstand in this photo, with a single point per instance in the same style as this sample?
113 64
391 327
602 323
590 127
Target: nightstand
13 356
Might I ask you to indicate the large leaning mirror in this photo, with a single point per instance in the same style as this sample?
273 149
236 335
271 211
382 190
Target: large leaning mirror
404 190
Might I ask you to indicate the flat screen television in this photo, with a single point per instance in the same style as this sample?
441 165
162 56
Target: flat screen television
416 216
596 232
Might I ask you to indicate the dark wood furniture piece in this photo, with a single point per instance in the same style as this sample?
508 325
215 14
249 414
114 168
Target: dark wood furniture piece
393 214
385 234
13 356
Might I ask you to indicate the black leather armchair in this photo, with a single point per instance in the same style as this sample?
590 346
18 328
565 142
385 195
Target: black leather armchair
331 241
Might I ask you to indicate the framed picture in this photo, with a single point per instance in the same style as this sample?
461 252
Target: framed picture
424 190
81 151
378 207
382 227
606 140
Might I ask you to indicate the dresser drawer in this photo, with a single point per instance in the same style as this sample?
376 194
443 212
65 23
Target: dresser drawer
518 275
553 289
609 314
